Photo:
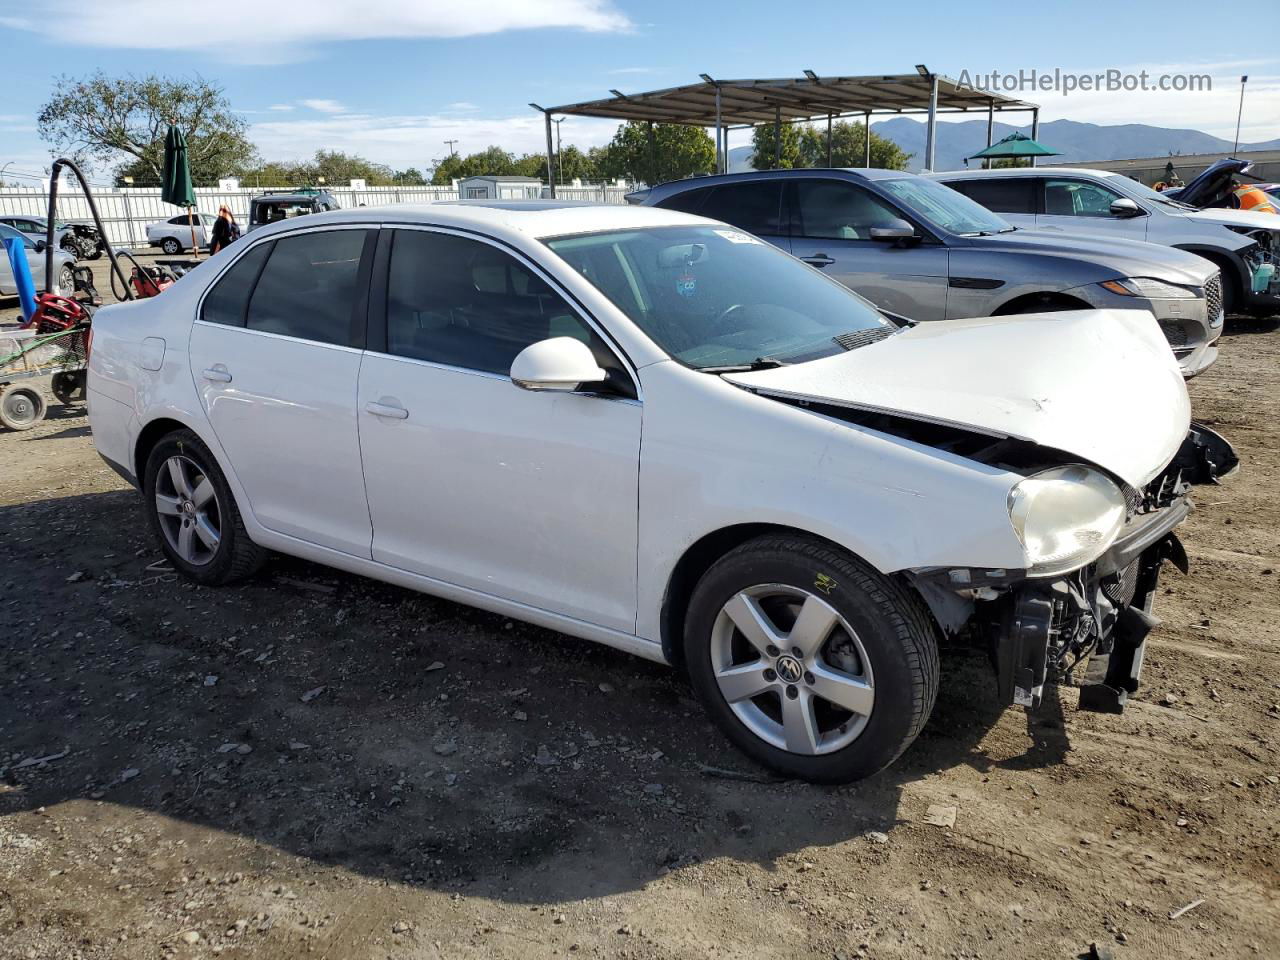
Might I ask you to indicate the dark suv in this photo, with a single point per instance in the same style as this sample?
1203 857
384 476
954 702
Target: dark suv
922 251
276 205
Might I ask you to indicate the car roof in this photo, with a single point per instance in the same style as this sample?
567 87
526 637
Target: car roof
533 218
1019 172
858 173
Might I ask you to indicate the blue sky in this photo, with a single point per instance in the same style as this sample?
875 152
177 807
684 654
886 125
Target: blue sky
392 79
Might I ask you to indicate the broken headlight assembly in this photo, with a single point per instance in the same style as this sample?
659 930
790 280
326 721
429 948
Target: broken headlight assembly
1065 517
1150 288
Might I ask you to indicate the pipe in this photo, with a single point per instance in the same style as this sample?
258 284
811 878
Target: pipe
54 175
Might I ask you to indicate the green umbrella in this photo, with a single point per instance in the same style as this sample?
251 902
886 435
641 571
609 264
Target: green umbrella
175 178
1014 145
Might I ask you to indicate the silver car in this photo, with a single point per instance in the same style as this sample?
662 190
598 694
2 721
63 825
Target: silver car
924 252
173 236
1244 244
63 265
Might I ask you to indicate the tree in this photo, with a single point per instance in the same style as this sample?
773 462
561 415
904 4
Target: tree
491 162
1006 163
848 147
672 152
764 143
410 177
116 118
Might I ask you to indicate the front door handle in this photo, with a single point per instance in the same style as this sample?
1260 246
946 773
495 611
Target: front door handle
217 373
387 410
819 260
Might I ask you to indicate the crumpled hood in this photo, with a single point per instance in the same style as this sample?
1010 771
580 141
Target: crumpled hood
1102 385
1119 256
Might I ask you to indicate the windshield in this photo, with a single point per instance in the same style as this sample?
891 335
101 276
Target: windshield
715 297
1140 191
943 207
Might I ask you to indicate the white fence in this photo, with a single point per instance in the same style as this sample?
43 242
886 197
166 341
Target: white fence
126 212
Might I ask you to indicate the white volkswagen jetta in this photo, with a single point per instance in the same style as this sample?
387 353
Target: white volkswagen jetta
656 432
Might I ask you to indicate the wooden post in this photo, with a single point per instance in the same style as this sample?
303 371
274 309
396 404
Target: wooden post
191 221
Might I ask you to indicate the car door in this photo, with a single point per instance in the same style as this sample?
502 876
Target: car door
1084 206
523 495
831 223
275 353
1014 198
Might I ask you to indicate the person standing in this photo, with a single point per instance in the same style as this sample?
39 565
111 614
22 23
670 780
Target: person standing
225 230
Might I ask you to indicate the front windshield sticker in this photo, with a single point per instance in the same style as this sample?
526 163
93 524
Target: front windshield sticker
737 236
686 285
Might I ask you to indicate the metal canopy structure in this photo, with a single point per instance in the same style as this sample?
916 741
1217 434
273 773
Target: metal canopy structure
741 104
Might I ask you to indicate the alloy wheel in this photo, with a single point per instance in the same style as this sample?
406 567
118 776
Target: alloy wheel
190 515
792 669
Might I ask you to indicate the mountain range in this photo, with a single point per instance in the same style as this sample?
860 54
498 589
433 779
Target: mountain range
1077 142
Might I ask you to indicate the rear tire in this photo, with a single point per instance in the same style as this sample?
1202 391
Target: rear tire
171 246
841 673
21 408
193 514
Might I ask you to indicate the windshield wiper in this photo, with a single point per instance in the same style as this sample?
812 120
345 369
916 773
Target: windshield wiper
759 363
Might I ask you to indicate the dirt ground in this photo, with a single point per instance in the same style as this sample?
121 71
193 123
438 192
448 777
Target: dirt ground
313 764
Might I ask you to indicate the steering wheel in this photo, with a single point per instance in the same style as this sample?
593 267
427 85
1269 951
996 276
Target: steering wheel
725 314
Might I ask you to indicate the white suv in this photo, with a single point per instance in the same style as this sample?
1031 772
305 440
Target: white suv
1244 245
659 433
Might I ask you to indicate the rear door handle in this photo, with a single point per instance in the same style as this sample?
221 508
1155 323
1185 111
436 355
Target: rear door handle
387 410
819 260
217 373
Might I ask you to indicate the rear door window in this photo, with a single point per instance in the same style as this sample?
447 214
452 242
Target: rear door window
310 288
754 206
1002 195
227 301
687 201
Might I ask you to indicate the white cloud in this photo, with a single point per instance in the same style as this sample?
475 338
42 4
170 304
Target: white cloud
624 71
285 30
325 106
281 107
417 140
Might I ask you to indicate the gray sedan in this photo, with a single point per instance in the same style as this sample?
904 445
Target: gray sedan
63 263
922 251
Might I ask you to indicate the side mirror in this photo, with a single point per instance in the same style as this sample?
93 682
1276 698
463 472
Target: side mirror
561 363
893 230
1125 208
41 246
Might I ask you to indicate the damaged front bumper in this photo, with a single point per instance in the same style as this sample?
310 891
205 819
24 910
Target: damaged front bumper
1038 630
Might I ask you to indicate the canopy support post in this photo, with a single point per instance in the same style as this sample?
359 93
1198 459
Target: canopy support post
1035 129
828 139
777 138
991 124
551 171
932 134
866 135
653 156
719 134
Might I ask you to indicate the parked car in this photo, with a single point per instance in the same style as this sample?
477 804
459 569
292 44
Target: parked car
173 236
81 240
924 252
1245 246
276 205
449 397
63 265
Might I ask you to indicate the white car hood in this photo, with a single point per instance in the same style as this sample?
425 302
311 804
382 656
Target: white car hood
1102 385
1236 218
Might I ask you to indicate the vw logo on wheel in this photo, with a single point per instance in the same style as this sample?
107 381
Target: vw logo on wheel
789 669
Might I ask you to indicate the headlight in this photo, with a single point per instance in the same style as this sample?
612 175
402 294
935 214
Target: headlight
1065 517
1149 288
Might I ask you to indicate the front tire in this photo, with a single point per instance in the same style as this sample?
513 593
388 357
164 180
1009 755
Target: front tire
811 662
193 514
21 408
171 246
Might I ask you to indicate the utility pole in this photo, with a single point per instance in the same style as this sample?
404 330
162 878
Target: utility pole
449 144
1240 113
559 152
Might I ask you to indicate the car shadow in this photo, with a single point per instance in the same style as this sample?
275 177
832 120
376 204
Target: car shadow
396 735
1237 326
